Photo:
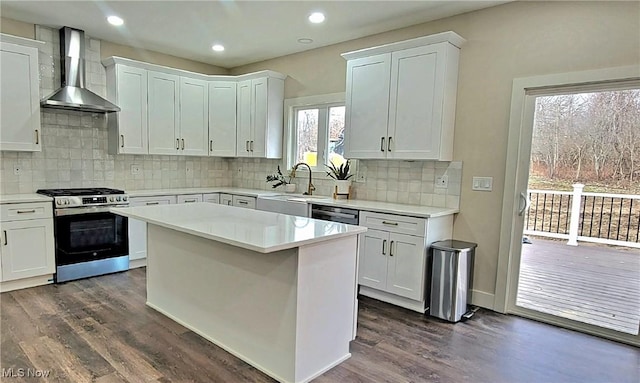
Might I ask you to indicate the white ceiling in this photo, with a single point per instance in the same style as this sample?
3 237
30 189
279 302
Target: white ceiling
251 31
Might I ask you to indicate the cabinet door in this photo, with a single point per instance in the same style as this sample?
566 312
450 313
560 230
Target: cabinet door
367 106
222 118
374 254
211 197
407 266
194 117
131 91
259 117
19 98
415 107
189 198
226 199
244 119
138 229
27 249
163 113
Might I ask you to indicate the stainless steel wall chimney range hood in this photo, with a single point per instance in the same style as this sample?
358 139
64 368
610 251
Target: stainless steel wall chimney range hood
73 95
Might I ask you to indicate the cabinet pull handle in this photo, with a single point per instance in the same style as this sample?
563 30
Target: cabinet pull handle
390 223
389 144
243 202
246 146
189 200
5 237
153 203
391 249
382 144
183 144
26 211
37 137
211 145
384 243
122 140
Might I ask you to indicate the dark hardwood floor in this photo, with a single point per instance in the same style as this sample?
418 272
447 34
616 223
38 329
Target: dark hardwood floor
99 330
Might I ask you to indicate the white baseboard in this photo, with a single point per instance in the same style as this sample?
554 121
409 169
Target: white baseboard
482 299
25 283
135 263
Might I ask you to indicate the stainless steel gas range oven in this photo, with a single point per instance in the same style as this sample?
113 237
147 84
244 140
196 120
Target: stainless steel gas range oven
89 239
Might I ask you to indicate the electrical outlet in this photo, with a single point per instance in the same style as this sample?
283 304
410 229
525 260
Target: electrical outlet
17 170
361 176
442 182
135 169
189 170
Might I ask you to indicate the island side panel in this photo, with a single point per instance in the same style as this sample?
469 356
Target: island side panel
326 302
243 301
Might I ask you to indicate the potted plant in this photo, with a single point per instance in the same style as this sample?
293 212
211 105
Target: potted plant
280 179
341 176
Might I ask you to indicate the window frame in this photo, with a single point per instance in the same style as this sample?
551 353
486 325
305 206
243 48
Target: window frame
291 106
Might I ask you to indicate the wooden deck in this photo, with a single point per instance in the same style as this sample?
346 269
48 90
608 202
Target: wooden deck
590 284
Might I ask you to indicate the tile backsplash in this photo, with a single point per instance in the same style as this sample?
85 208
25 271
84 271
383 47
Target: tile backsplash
74 154
410 182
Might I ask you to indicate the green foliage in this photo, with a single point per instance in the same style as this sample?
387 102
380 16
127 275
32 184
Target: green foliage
278 178
339 172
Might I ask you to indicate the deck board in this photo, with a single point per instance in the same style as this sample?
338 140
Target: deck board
597 285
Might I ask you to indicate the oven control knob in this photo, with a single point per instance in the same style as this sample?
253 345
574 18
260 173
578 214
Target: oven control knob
111 199
118 198
58 202
66 201
124 198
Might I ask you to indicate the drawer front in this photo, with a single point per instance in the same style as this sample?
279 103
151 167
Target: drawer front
394 223
150 201
246 202
24 211
189 198
226 199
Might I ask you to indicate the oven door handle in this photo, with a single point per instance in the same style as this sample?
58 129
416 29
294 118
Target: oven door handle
85 210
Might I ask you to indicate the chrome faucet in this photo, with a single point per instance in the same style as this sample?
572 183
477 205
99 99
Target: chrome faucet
310 188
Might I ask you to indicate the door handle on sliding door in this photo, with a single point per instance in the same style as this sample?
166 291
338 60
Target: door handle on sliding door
524 197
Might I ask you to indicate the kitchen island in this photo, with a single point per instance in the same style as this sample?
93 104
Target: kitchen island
277 291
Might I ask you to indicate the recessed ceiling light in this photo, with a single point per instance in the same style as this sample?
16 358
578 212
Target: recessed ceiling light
305 41
115 20
316 17
217 47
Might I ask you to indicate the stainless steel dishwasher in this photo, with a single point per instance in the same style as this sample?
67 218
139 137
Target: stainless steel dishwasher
335 214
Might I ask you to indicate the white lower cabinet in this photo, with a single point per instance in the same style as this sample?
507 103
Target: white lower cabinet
211 197
226 199
138 229
395 266
189 198
244 201
27 250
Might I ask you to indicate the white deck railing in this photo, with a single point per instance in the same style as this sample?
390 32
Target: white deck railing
606 218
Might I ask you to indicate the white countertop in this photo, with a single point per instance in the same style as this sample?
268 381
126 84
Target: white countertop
374 206
179 191
255 230
24 198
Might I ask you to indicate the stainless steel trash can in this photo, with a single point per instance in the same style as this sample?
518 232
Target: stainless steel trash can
451 278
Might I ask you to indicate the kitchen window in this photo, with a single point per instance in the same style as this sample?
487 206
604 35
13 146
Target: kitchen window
315 133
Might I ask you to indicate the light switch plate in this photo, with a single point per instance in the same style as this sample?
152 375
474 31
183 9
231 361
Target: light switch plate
135 169
482 183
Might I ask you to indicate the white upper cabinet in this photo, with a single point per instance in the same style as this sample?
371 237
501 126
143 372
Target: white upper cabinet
400 99
174 112
260 117
19 98
194 117
127 88
163 113
222 118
